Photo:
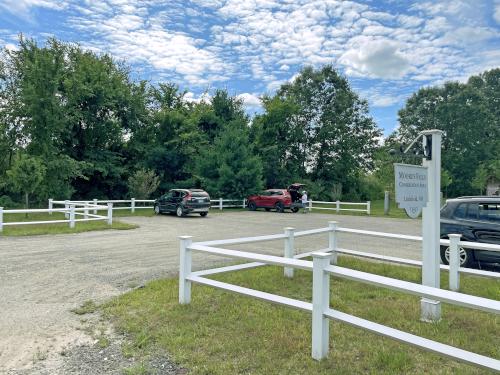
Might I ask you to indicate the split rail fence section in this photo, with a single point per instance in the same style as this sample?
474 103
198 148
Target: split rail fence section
323 266
338 206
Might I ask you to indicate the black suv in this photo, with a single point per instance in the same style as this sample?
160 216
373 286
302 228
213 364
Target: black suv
477 219
183 202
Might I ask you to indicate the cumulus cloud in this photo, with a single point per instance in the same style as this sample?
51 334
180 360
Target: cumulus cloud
22 8
377 59
496 12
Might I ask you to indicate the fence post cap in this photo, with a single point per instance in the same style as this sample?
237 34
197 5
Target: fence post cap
454 235
333 222
321 255
184 237
289 229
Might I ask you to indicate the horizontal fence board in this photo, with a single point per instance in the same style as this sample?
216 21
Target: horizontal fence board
453 298
35 222
420 342
280 300
234 241
379 234
311 232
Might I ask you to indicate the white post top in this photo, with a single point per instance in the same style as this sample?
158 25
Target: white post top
333 222
454 235
289 228
431 131
184 237
321 255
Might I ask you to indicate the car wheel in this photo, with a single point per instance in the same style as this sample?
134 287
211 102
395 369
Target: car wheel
203 214
279 207
466 257
295 210
157 209
252 206
180 211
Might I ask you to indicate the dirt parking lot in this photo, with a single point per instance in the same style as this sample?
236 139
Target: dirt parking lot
43 277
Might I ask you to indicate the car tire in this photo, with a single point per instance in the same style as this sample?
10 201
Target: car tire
279 207
252 206
295 210
157 209
466 256
179 211
203 214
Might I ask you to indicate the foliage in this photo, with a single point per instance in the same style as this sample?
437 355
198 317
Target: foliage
26 175
487 171
143 183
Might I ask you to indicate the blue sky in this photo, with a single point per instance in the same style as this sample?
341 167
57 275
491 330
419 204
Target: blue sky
387 49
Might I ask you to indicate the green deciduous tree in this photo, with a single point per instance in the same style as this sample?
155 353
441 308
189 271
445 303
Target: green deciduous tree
143 183
26 175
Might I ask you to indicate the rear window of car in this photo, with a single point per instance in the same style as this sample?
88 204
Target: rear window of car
460 211
199 194
489 212
277 192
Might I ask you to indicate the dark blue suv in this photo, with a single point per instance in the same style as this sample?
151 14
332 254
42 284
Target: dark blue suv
477 219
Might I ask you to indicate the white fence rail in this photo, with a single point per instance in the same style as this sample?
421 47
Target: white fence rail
338 206
73 212
322 266
118 204
228 203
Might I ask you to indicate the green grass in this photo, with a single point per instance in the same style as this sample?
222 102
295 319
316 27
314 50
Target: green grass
224 333
87 307
376 209
36 229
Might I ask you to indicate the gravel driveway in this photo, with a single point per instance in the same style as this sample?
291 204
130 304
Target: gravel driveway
43 277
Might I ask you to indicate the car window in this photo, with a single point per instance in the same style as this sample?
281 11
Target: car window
489 212
460 211
277 192
168 195
265 193
472 211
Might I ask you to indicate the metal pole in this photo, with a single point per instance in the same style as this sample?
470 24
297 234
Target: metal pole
132 205
454 273
289 249
185 270
386 203
430 309
332 240
320 302
110 213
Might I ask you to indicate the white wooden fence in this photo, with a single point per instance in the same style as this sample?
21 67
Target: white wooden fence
323 265
228 203
73 212
337 206
123 204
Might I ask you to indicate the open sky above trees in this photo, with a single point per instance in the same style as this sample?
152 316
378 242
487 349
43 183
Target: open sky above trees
387 49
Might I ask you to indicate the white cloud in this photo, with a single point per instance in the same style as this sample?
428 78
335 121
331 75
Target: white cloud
250 101
375 58
496 11
22 8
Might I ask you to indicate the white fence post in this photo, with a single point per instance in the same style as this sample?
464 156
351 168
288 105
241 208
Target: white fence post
338 206
244 203
66 207
132 205
95 204
320 303
220 203
368 207
1 219
72 216
332 240
454 262
86 210
387 203
110 213
289 249
185 270
51 205
310 205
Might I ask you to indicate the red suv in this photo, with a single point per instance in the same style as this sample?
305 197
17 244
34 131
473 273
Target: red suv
278 199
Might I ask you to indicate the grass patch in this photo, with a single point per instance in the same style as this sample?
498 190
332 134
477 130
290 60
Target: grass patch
223 333
58 228
88 307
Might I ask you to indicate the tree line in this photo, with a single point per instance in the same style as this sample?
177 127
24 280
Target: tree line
75 125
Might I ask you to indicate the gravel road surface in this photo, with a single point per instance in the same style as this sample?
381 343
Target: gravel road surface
43 277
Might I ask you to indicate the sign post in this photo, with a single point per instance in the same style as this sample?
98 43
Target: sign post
418 188
431 310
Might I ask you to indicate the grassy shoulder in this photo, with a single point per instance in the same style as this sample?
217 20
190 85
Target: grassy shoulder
57 228
224 333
